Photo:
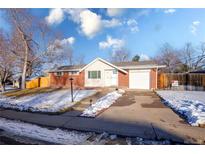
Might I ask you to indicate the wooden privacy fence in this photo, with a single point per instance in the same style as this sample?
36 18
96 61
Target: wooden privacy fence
186 81
38 82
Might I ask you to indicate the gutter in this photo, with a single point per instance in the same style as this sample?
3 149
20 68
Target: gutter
143 67
70 70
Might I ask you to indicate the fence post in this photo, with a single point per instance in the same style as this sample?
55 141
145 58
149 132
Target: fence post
39 82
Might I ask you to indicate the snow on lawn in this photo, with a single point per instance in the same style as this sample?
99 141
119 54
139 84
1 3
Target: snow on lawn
57 136
8 88
102 103
190 104
45 102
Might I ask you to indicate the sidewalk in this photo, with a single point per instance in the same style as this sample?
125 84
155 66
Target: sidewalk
70 120
131 129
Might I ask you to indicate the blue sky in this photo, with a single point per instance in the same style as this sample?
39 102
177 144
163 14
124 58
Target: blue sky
98 32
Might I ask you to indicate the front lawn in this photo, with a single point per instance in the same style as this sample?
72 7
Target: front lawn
42 99
25 92
189 104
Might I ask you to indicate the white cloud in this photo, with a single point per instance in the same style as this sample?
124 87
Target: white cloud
113 43
114 11
69 41
112 23
194 27
91 23
144 57
133 25
74 14
55 16
196 23
58 45
169 11
144 12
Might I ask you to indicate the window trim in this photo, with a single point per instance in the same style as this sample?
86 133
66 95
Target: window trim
94 76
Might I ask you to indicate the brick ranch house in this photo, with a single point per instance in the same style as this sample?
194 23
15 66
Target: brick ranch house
101 73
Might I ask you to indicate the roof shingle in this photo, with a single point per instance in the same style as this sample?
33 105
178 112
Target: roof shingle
118 64
132 63
69 67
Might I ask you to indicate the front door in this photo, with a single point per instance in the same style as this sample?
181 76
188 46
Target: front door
111 77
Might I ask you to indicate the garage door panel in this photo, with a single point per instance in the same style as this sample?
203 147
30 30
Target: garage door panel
139 79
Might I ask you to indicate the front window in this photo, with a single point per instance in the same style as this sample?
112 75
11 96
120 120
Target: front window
115 71
94 74
59 73
73 73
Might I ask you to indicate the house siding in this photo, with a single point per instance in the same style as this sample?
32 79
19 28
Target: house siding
81 79
123 79
97 66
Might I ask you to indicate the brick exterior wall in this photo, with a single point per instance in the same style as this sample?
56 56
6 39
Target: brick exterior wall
79 80
64 80
123 79
153 82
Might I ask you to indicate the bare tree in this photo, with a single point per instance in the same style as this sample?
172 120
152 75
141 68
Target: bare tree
7 61
120 55
58 53
193 58
69 54
79 59
168 56
22 23
30 53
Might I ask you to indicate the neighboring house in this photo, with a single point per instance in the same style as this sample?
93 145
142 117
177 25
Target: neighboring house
101 73
16 80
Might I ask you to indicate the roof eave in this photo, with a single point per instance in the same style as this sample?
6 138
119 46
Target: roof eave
143 67
108 63
52 71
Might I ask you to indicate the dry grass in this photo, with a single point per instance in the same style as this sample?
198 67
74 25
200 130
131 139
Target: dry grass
84 103
26 92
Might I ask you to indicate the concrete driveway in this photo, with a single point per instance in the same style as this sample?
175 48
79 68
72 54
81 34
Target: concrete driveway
145 108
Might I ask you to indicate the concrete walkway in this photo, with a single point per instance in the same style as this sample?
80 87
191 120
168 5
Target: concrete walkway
135 114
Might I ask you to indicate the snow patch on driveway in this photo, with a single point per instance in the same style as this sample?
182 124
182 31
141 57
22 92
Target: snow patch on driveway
189 104
45 102
102 103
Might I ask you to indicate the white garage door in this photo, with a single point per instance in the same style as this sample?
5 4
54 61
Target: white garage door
139 79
